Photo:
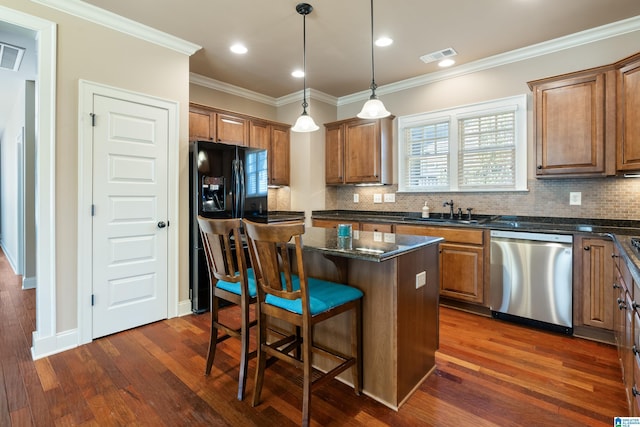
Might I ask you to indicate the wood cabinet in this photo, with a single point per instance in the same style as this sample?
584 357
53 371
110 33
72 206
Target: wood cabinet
274 138
574 123
593 274
355 225
210 124
463 260
359 151
215 125
628 114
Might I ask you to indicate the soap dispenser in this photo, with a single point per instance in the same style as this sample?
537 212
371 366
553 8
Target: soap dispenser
425 211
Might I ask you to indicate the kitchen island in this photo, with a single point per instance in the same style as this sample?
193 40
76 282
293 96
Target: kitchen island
399 277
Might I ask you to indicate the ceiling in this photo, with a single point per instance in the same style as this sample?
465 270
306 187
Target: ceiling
339 35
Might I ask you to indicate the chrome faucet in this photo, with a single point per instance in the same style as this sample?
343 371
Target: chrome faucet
450 204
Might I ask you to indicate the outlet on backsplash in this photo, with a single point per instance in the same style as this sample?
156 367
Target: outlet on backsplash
390 198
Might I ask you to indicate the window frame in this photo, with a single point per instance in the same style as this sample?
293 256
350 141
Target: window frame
517 104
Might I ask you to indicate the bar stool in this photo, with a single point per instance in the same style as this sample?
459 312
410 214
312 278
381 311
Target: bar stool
232 281
303 302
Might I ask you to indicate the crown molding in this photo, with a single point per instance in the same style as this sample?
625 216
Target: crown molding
119 23
313 94
208 82
573 40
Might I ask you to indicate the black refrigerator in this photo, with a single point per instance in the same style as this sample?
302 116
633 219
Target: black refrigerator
226 181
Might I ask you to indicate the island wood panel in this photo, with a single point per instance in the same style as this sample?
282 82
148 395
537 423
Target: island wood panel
417 314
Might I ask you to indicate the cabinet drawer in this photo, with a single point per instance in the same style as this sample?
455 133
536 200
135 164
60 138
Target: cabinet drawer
332 223
372 226
460 235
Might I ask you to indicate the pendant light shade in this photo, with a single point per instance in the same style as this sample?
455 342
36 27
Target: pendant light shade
304 123
373 108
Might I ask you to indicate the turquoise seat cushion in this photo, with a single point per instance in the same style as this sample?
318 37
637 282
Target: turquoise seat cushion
323 296
235 287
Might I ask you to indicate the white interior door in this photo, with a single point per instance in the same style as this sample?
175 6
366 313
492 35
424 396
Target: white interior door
129 227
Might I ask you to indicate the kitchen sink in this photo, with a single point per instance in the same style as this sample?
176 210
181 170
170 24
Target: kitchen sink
438 218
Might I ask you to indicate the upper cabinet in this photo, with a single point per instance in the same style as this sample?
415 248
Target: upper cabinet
628 117
359 151
574 129
275 138
209 124
220 126
586 123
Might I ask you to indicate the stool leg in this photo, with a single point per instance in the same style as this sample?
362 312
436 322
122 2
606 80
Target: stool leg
244 352
356 346
307 342
213 338
261 363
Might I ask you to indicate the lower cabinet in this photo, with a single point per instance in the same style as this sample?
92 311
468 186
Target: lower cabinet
463 259
593 273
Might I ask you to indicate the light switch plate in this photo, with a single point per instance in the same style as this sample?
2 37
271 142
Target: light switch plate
390 197
575 198
377 198
356 198
421 279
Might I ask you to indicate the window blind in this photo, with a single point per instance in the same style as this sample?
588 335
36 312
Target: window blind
487 154
427 151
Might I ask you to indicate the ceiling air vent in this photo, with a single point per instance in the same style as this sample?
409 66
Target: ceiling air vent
10 57
437 56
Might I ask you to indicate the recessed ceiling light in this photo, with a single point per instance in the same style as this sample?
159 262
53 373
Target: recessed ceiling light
238 48
297 73
446 63
384 41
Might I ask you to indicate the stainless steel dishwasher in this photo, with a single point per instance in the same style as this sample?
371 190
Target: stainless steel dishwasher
531 279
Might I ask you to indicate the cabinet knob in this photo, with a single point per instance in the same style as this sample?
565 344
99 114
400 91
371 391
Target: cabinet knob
634 350
622 306
587 248
634 391
539 167
616 286
635 305
614 256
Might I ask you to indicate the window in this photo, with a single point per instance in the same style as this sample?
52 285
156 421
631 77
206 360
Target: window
256 173
480 147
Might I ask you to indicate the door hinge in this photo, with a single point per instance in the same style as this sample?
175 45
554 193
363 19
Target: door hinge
93 300
93 119
93 210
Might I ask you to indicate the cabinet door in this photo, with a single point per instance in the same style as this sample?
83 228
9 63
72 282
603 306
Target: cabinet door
570 126
372 226
334 154
201 125
362 152
597 273
280 155
231 129
462 272
628 117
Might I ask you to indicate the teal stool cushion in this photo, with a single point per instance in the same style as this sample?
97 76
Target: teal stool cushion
235 287
323 296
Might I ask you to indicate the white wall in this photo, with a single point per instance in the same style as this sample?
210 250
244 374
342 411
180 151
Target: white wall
10 152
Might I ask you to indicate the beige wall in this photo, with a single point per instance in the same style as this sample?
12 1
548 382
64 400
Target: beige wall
94 53
601 198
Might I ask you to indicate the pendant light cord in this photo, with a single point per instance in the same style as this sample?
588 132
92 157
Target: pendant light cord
373 69
304 63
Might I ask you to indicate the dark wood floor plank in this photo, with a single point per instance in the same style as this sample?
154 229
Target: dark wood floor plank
489 373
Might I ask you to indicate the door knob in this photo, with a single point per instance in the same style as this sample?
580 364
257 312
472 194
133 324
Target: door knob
161 224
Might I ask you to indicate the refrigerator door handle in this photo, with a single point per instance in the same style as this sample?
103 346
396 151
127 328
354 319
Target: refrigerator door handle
242 190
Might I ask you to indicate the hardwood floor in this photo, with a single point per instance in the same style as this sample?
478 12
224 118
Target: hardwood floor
489 373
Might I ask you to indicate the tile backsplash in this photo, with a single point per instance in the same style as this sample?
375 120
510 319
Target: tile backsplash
605 198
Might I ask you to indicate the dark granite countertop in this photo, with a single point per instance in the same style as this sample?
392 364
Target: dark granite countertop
365 245
620 231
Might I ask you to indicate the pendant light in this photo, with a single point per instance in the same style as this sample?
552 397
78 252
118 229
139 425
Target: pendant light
373 108
304 123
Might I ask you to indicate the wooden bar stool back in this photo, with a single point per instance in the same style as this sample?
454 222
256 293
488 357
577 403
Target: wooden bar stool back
303 302
232 281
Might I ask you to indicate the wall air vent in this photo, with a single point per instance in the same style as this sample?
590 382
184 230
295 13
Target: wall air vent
437 56
10 57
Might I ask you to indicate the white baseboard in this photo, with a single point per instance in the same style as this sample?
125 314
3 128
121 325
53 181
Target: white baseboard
184 308
29 282
46 346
